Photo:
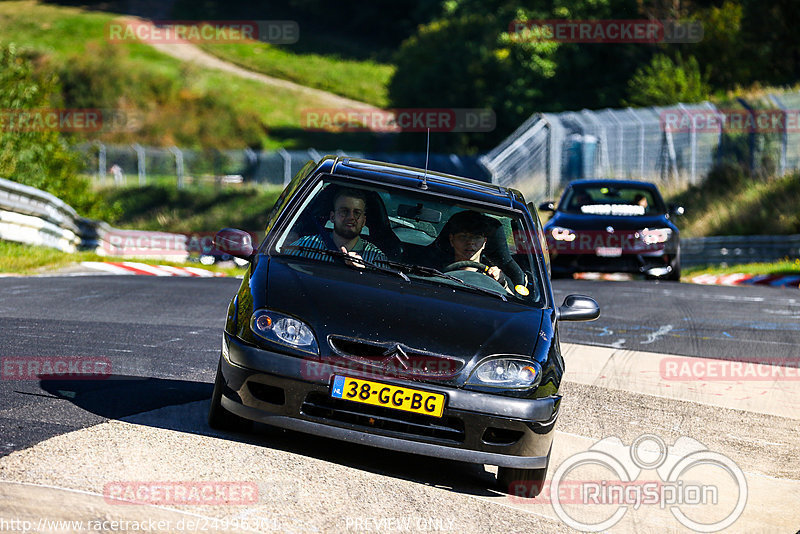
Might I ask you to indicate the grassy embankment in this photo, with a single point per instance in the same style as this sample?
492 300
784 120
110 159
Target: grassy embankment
730 202
177 103
363 80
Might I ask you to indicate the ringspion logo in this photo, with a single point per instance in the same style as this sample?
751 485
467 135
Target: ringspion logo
593 490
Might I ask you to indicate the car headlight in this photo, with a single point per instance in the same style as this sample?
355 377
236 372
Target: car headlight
651 236
283 330
562 234
506 373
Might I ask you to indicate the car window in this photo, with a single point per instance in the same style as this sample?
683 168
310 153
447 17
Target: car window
612 200
415 232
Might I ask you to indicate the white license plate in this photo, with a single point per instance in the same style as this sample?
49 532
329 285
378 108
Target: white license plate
609 252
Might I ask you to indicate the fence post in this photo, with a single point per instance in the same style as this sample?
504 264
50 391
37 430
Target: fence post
101 162
178 164
692 146
752 136
784 134
140 163
287 165
641 142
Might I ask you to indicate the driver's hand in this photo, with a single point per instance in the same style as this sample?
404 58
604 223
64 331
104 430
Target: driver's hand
355 256
494 272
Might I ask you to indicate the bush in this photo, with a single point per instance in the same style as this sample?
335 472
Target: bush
39 158
666 81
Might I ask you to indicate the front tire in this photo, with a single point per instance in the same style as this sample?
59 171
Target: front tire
218 417
522 482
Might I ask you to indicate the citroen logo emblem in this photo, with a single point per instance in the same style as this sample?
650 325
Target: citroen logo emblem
399 355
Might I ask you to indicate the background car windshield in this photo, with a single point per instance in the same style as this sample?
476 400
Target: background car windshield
414 229
612 200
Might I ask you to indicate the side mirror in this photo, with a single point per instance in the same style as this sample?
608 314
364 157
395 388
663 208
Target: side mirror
237 243
674 209
578 308
547 206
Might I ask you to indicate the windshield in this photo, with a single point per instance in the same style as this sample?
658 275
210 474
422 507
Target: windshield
421 237
624 200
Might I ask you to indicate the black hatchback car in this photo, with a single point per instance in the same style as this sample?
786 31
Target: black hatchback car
613 226
402 309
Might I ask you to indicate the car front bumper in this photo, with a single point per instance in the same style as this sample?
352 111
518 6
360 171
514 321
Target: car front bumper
279 390
655 263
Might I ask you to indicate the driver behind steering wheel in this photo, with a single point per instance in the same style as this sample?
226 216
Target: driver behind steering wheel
468 234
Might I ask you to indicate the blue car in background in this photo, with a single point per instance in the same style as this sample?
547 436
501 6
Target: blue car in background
613 226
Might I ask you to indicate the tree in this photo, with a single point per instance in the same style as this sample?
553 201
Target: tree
36 156
472 61
664 82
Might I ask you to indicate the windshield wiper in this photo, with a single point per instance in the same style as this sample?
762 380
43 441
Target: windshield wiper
348 257
430 271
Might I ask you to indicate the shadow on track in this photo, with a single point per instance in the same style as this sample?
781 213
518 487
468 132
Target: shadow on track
182 406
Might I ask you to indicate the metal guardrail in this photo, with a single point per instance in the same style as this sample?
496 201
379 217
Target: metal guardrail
31 216
34 217
732 250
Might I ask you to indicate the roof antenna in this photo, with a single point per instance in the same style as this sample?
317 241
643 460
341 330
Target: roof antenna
424 184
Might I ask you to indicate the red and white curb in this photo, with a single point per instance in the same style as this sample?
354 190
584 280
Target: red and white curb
136 268
738 279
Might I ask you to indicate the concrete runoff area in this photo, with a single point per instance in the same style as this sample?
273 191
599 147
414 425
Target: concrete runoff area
309 484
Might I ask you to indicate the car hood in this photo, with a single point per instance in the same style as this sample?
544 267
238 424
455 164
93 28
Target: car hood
362 316
597 222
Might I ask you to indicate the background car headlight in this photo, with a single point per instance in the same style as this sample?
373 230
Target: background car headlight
651 236
284 330
506 373
562 234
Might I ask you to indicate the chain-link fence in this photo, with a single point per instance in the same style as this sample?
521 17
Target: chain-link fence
673 146
130 165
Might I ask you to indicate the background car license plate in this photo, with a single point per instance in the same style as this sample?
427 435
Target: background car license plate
396 397
609 252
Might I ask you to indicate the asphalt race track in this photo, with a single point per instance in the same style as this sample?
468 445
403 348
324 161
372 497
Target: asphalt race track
64 442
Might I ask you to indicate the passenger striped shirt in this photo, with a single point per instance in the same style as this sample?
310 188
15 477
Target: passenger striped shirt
363 248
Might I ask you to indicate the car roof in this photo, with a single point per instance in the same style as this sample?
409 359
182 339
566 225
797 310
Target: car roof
412 177
599 182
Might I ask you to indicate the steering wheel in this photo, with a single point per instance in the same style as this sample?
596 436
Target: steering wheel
459 265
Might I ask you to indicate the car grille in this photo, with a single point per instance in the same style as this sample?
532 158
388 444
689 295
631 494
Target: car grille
394 359
320 405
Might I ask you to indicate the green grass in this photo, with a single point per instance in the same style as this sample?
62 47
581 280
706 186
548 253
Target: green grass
786 266
362 80
176 103
17 258
731 203
191 210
